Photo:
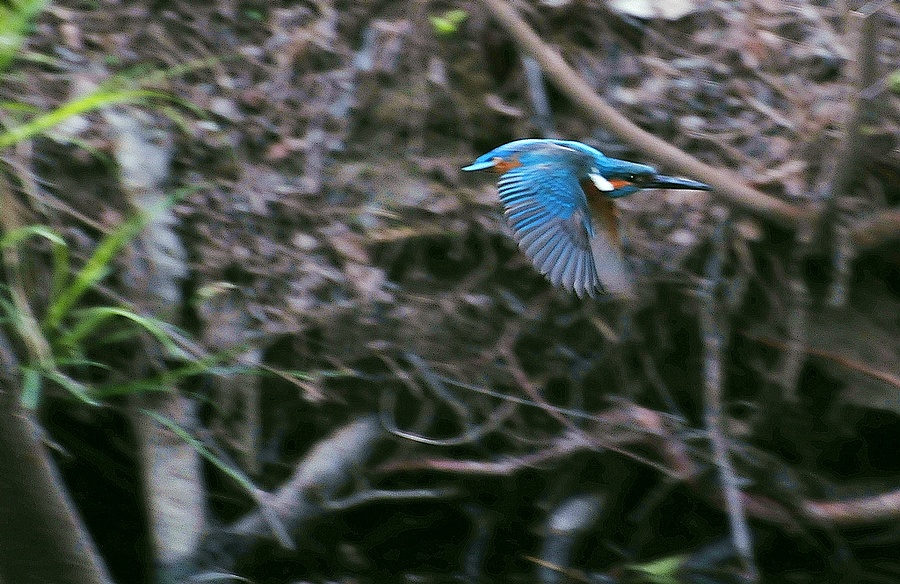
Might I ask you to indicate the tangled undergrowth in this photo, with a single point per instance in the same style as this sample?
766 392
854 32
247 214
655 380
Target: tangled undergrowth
335 234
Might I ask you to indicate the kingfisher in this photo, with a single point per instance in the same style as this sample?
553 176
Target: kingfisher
559 197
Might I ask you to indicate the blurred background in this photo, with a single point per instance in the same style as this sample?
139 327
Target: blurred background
265 328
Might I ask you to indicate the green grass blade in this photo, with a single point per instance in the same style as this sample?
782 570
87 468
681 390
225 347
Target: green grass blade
94 270
18 108
90 319
100 98
16 236
7 308
238 477
83 362
99 264
31 388
60 251
169 379
662 571
76 388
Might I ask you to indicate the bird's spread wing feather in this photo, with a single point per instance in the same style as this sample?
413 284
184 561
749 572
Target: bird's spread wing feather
550 215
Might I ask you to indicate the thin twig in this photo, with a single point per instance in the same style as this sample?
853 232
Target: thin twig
842 254
540 103
435 384
636 426
713 341
797 324
372 495
855 511
506 466
838 358
472 432
862 26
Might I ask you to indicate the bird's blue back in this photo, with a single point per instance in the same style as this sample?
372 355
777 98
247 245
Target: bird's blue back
577 157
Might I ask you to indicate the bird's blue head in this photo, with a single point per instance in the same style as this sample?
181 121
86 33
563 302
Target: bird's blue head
625 178
614 177
525 152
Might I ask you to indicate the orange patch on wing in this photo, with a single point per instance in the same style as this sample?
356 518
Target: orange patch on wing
603 209
502 165
619 183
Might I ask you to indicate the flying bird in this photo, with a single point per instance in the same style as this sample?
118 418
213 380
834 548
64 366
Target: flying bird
559 198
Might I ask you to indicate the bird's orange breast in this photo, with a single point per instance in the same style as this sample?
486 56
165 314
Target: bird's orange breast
603 209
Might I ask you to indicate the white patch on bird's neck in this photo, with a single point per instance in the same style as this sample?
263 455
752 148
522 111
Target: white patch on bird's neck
600 181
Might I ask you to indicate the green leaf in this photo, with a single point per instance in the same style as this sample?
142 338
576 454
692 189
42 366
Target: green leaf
662 571
81 362
16 236
893 82
17 107
99 264
456 16
15 22
448 23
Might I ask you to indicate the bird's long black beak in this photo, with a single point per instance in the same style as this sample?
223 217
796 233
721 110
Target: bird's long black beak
661 181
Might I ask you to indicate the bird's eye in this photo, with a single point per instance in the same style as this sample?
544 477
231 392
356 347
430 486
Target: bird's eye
638 179
631 178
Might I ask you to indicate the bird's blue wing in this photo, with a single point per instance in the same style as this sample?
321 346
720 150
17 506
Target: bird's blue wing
548 211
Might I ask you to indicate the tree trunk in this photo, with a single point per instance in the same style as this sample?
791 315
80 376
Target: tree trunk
43 540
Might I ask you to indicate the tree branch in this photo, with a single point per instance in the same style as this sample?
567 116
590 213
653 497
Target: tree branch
727 184
876 230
